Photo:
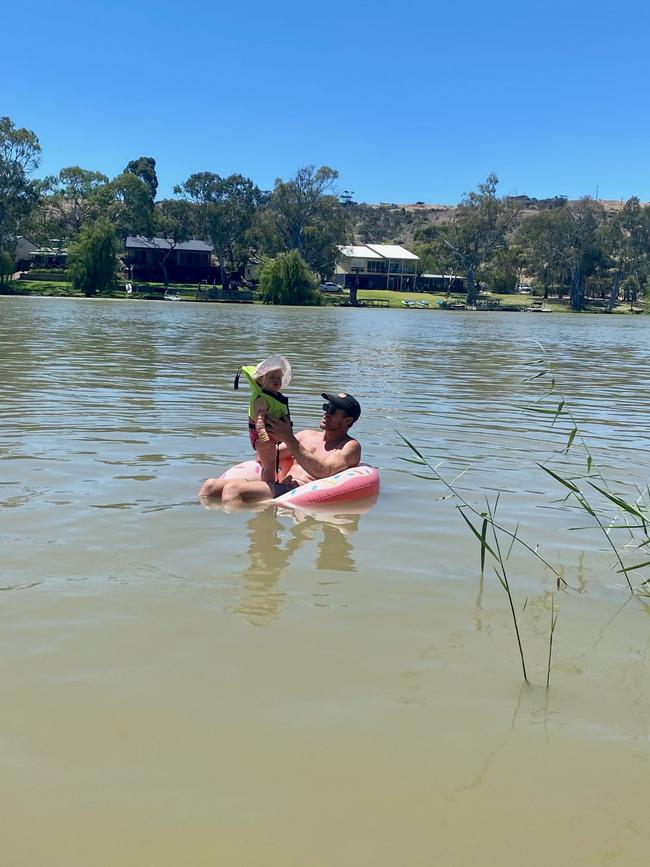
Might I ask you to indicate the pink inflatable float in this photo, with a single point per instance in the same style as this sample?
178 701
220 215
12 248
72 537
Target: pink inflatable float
356 483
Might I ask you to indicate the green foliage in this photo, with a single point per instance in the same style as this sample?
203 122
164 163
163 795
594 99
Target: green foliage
584 251
93 258
303 214
73 200
545 240
19 158
174 221
126 202
145 169
480 228
224 212
6 265
287 280
502 272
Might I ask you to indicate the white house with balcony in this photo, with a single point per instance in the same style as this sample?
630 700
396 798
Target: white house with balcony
376 266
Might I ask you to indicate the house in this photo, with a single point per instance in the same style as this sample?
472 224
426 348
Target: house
441 283
55 255
22 253
185 262
376 266
252 269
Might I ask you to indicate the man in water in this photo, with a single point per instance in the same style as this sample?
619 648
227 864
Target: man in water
315 454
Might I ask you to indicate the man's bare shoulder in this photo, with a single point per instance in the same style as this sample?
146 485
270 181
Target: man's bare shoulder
305 436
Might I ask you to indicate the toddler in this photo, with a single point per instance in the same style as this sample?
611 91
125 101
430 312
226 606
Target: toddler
266 399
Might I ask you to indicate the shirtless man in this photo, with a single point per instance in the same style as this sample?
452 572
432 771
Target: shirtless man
315 454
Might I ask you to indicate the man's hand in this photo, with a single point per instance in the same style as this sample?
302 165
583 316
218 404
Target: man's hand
280 428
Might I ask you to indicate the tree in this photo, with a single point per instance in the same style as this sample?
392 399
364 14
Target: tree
625 240
296 202
323 235
479 229
6 266
502 273
93 258
74 199
435 256
145 169
224 213
303 214
287 280
583 254
127 204
19 158
545 239
173 221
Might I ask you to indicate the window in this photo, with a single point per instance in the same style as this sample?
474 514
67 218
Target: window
396 267
377 266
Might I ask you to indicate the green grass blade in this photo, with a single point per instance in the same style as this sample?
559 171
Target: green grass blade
621 503
565 482
484 543
632 568
572 436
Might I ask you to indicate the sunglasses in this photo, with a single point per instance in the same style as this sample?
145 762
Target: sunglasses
329 408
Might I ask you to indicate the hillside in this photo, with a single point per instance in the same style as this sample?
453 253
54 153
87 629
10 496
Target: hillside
392 223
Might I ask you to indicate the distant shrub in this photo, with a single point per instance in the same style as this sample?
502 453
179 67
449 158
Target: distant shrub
93 258
6 265
287 280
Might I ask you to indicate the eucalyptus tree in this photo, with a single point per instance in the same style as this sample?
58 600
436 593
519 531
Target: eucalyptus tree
584 250
224 211
73 198
126 202
145 169
625 239
479 228
545 239
305 214
174 221
19 158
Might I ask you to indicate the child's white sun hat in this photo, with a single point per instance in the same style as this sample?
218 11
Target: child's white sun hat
274 362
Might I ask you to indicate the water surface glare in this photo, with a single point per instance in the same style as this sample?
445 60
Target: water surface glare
186 686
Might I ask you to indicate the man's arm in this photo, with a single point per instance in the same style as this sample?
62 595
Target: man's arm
322 466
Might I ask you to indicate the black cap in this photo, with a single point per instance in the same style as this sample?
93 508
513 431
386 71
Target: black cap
349 404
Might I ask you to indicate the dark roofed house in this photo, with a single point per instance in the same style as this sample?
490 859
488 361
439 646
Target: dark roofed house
185 262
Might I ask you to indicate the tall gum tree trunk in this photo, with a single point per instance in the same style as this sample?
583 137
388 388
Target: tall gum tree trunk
576 287
471 287
163 265
613 295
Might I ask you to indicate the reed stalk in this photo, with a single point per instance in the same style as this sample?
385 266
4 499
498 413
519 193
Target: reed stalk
554 617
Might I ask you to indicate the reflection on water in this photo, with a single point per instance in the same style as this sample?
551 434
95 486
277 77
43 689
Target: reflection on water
275 534
384 691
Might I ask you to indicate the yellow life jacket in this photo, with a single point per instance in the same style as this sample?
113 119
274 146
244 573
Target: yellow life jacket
277 405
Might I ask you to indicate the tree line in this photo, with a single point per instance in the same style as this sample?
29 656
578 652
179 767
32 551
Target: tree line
573 249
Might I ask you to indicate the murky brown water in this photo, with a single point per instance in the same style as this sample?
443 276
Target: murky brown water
183 686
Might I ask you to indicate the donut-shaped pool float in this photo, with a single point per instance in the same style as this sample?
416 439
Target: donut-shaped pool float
355 483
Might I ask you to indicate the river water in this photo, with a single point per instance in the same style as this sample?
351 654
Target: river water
186 686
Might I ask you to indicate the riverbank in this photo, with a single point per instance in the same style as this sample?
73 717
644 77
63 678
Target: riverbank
391 299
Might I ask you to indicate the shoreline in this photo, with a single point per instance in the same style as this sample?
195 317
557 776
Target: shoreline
387 299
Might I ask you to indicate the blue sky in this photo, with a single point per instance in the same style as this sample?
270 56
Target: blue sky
408 100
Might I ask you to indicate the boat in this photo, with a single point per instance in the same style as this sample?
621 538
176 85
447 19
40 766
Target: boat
538 307
172 296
